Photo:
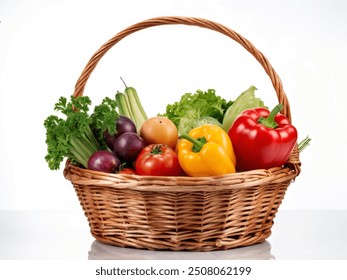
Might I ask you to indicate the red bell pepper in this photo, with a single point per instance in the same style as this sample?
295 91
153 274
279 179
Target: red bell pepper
262 139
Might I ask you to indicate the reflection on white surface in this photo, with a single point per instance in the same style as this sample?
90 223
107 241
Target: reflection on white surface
100 251
61 235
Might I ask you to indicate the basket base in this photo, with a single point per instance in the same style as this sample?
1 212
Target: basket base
214 244
101 251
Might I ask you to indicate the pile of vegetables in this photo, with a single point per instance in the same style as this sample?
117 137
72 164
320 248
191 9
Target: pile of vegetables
202 134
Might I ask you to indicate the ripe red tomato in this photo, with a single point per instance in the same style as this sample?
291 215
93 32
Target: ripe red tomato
158 160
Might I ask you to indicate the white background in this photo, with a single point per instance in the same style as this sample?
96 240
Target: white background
44 46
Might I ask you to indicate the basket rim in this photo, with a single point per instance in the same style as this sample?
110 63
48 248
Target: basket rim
232 181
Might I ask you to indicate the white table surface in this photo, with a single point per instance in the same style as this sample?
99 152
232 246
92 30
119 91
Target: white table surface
53 235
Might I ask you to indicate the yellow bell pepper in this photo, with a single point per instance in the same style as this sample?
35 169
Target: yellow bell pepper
206 151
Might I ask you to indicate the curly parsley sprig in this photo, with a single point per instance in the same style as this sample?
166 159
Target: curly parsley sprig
78 135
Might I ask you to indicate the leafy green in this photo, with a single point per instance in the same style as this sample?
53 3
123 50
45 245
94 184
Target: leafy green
104 119
72 136
246 100
206 120
193 107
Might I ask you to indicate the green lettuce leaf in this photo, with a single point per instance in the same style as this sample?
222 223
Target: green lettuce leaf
193 107
246 100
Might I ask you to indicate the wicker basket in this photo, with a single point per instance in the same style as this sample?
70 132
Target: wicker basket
183 213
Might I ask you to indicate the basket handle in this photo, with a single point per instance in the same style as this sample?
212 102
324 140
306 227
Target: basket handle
276 81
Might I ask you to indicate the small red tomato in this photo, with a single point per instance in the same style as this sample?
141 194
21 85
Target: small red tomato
127 170
158 160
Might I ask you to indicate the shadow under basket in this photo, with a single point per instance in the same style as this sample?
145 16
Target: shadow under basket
183 213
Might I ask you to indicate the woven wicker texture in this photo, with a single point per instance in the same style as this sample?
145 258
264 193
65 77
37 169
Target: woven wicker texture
183 213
